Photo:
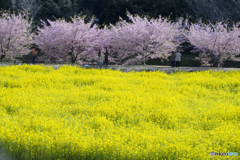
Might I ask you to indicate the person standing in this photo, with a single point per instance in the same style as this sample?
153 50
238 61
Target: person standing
178 59
172 59
100 59
106 58
33 55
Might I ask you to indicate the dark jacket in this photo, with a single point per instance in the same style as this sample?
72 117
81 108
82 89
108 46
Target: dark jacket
106 57
172 57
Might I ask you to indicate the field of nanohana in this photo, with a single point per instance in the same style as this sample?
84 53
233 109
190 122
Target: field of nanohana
74 113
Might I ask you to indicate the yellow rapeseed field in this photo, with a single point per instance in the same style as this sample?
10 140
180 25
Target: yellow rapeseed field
75 113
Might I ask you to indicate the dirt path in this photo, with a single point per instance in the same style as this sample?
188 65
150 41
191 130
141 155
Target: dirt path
139 68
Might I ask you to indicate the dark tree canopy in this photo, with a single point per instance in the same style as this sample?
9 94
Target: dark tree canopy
109 11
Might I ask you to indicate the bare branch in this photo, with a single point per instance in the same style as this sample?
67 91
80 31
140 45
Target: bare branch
30 7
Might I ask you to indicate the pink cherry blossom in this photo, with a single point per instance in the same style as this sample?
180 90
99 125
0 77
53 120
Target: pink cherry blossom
144 38
15 36
215 42
69 41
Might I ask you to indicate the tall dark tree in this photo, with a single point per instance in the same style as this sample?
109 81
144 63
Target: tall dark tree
113 11
109 11
95 6
5 4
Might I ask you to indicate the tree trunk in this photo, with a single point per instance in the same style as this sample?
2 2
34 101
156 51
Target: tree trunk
73 59
144 59
220 65
2 56
219 61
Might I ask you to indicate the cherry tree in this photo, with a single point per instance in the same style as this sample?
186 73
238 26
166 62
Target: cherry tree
15 36
215 42
69 41
144 38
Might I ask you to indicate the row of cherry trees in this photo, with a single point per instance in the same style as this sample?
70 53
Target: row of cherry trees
133 42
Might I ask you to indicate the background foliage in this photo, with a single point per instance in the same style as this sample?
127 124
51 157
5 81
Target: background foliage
108 11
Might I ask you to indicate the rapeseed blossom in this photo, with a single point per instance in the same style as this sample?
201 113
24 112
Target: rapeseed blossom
76 113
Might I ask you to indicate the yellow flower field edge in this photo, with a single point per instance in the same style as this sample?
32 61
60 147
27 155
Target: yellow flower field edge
75 113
